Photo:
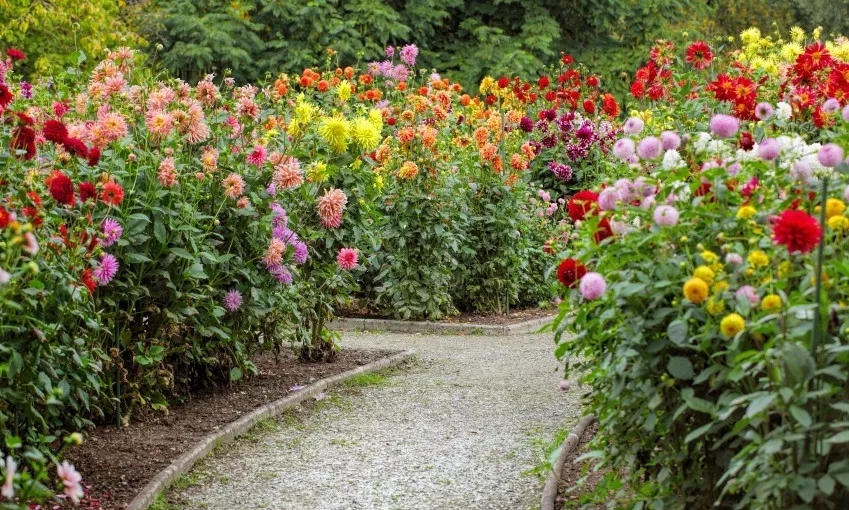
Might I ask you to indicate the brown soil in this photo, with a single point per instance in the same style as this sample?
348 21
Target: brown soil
513 317
569 494
117 462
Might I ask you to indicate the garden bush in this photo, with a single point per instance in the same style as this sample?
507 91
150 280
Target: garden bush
709 287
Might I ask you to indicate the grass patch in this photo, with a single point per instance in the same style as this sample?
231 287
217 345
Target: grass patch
367 379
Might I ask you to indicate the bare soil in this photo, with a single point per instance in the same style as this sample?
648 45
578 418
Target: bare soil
569 493
514 316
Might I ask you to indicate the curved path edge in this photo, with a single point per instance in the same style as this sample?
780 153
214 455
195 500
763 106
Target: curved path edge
443 328
549 492
182 464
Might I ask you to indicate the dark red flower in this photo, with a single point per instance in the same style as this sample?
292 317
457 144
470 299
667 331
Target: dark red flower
5 217
503 82
25 119
15 54
112 193
32 212
23 138
88 281
36 199
55 131
797 230
603 231
491 99
60 109
747 141
87 190
94 156
567 59
570 272
543 82
76 147
703 189
638 89
589 106
61 188
6 96
592 81
582 203
699 55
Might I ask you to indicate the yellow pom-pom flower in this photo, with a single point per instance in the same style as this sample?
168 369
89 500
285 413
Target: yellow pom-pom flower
838 222
720 287
705 274
746 212
771 303
696 290
732 324
715 306
834 207
317 172
758 258
335 131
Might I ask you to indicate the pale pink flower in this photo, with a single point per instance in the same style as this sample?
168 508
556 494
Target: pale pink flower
159 123
209 159
234 186
288 174
331 205
167 174
274 252
8 490
70 480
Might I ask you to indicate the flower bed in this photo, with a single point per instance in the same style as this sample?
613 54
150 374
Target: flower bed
710 286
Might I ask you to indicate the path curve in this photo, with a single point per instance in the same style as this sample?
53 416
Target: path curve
460 429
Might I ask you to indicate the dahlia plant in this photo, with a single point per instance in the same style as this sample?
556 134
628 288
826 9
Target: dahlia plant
709 293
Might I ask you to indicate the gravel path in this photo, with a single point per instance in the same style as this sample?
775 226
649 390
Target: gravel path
458 430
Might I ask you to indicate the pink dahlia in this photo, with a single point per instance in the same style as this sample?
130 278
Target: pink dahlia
331 205
70 479
347 259
233 300
592 286
234 186
111 230
106 269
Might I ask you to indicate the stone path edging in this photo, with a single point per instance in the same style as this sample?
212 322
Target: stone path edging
443 328
184 462
549 492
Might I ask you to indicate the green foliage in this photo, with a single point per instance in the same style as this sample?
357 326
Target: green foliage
47 31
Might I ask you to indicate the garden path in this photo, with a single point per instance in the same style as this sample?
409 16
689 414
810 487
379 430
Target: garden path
460 429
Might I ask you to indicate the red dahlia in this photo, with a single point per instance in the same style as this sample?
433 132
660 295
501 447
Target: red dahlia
93 156
5 217
112 193
797 230
87 190
15 54
88 281
603 231
589 106
610 106
582 203
570 272
61 188
747 141
699 55
543 82
23 138
55 131
503 82
592 81
6 96
76 147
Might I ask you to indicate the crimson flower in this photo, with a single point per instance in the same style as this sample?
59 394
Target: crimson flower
6 96
699 55
76 147
582 203
61 188
15 54
55 131
5 217
503 82
23 138
112 193
603 231
88 280
797 230
87 190
93 156
570 272
747 141
543 82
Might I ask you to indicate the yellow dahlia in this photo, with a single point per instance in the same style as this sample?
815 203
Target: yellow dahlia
732 324
335 131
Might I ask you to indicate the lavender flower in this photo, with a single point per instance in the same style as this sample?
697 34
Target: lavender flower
233 300
390 51
26 90
106 269
409 54
111 230
301 253
281 273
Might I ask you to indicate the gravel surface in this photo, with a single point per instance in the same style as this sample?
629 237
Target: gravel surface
460 429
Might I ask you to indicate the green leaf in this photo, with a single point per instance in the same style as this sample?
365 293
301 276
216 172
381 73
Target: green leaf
699 432
801 416
680 368
159 232
180 252
235 374
799 365
759 404
136 258
196 271
840 437
826 485
677 332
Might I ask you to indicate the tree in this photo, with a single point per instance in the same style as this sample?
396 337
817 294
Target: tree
48 31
